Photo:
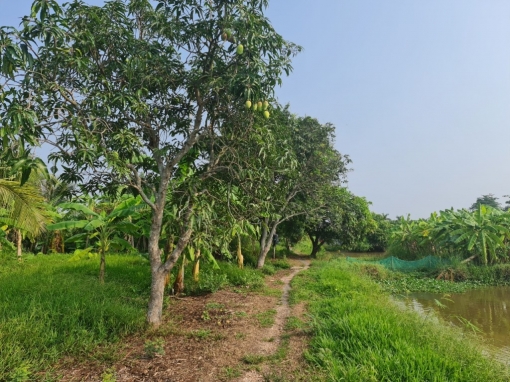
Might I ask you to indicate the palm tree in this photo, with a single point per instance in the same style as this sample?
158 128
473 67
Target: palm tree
23 209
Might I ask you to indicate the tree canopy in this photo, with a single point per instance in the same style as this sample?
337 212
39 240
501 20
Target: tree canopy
486 200
127 91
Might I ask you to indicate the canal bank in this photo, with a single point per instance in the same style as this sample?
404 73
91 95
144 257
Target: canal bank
359 334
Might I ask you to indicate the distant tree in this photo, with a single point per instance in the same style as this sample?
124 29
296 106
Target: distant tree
344 218
378 238
506 207
486 200
295 181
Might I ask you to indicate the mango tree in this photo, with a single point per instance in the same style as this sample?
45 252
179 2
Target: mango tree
296 166
344 218
125 91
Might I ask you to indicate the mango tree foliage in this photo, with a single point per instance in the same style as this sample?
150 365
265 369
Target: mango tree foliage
124 92
343 218
300 163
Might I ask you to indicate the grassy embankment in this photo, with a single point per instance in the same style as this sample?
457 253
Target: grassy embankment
51 307
359 334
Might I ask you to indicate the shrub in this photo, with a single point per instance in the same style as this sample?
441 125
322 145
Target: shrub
269 269
281 263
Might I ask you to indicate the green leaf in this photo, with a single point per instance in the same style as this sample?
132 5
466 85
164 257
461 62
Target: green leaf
77 207
67 225
119 243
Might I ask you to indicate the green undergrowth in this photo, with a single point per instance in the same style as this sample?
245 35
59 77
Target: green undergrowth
50 306
359 334
53 306
229 274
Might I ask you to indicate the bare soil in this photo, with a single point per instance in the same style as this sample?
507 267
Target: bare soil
231 335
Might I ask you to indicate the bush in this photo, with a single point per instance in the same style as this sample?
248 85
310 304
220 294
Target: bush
210 280
492 275
247 277
281 263
268 269
374 271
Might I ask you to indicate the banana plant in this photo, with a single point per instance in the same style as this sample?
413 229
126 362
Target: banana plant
102 226
481 231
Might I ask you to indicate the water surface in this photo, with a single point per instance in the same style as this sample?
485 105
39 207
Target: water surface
488 309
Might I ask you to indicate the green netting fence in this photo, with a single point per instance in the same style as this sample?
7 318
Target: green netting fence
395 264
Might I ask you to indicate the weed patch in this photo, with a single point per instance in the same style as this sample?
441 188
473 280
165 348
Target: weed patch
253 359
266 319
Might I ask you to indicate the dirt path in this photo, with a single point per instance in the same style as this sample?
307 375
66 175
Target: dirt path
231 335
283 311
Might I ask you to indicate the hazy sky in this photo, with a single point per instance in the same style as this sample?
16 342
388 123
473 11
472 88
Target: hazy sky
419 92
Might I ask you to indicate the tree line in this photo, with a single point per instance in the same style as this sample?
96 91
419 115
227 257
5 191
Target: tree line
165 135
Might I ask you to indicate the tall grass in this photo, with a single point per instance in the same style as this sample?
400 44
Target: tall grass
50 307
360 335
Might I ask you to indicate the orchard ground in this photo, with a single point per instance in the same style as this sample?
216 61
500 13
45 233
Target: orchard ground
234 325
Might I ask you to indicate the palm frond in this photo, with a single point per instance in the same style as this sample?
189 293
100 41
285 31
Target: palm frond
24 206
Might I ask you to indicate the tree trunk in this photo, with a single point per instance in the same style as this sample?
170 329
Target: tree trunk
160 270
315 250
155 310
19 238
316 246
265 242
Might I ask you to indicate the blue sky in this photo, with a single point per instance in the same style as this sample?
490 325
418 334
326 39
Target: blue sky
419 92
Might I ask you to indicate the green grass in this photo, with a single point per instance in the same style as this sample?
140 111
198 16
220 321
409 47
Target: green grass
212 280
294 323
266 319
50 306
253 359
232 372
359 334
304 247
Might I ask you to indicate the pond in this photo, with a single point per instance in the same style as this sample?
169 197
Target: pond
486 309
